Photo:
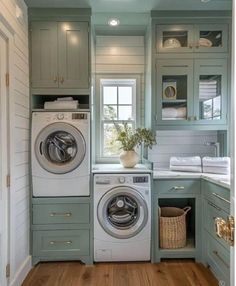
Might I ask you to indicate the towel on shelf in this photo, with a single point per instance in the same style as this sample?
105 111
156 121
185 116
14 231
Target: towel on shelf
186 168
61 104
216 162
216 170
174 112
185 161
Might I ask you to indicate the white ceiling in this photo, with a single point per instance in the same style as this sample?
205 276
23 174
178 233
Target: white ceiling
133 6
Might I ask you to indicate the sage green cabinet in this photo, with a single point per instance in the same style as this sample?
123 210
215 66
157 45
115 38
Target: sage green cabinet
62 229
60 55
191 92
192 38
216 251
178 193
44 55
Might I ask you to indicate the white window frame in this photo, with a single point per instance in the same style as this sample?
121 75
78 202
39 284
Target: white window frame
114 80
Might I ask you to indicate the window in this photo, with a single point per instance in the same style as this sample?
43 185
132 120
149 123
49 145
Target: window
117 105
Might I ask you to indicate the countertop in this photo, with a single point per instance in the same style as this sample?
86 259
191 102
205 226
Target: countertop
222 180
118 169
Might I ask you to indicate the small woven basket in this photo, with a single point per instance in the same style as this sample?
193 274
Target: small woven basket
173 227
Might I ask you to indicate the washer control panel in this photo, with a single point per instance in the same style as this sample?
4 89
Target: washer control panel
136 179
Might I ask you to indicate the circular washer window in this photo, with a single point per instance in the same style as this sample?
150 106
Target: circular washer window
60 148
122 212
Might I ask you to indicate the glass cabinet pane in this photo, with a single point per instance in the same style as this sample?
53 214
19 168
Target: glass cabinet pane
210 39
174 97
210 97
174 39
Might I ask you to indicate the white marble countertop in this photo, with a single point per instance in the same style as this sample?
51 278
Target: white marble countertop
222 180
118 169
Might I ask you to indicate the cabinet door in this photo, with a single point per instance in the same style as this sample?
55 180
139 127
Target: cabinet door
174 38
174 91
211 38
73 54
44 54
210 91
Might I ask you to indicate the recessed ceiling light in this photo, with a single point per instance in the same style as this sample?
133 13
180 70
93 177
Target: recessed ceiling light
205 1
113 22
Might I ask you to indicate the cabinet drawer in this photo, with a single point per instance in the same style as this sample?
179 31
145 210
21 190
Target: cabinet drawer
59 243
218 258
61 213
177 186
217 195
211 212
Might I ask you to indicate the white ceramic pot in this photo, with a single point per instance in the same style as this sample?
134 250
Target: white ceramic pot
129 158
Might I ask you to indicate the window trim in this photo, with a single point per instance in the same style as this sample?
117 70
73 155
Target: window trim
107 78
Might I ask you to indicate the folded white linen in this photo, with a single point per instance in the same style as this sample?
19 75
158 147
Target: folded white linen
185 161
172 112
216 170
196 169
65 98
66 104
216 161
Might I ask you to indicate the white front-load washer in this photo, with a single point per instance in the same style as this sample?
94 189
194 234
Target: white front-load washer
122 217
60 153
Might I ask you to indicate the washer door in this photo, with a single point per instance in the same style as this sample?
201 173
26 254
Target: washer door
122 212
60 148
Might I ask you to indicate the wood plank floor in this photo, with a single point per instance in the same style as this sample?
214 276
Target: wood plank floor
167 273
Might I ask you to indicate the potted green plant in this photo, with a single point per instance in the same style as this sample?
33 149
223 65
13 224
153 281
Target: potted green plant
130 139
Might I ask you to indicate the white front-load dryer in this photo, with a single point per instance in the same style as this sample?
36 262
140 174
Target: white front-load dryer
60 154
122 217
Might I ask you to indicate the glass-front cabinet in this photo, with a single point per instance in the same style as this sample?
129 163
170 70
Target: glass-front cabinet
204 38
191 91
210 91
174 91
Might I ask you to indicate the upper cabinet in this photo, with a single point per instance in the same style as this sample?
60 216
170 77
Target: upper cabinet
191 92
60 55
203 38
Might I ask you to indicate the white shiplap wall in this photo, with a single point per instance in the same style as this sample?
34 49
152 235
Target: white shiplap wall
120 55
19 157
181 143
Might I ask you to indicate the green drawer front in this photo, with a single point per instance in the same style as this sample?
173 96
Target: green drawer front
217 195
61 213
211 212
177 186
218 258
61 243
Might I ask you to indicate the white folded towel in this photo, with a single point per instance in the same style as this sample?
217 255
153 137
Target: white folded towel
69 98
216 161
61 104
216 170
196 169
172 112
185 161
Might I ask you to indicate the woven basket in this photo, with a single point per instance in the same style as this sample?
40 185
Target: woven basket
173 227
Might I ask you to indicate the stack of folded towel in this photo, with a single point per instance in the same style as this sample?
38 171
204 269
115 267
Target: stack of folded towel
186 164
216 165
62 103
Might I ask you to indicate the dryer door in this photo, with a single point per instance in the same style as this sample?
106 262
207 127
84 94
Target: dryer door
60 148
122 212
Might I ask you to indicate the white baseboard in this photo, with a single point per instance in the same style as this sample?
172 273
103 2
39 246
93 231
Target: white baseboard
22 272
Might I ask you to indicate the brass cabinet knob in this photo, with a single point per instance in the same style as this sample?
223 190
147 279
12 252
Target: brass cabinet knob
55 79
190 46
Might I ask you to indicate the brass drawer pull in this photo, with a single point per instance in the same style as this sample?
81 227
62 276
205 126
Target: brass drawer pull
221 198
55 79
220 258
178 188
63 242
214 206
61 214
